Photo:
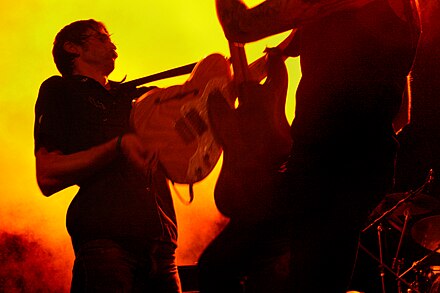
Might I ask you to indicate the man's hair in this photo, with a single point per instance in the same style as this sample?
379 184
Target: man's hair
75 33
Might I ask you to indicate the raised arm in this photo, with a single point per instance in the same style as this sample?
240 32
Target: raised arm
245 25
242 24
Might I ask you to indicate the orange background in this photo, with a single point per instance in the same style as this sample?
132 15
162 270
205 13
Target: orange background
151 36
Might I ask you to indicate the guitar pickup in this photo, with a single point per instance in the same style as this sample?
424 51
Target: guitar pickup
184 131
190 126
196 122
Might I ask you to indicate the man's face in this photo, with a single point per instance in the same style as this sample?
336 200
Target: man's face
99 51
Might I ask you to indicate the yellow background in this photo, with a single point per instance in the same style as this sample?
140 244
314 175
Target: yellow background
151 36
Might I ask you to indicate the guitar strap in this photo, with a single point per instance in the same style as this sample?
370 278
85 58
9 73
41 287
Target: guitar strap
191 194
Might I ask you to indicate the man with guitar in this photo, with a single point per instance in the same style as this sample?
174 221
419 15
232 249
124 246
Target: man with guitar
355 57
122 221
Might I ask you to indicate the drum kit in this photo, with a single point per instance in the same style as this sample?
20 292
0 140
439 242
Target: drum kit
415 217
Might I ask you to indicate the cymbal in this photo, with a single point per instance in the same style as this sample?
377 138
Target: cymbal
418 204
426 232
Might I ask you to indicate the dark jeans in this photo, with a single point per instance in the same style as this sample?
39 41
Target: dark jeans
247 257
104 266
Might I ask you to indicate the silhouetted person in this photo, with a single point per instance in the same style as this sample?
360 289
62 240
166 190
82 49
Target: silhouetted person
122 221
355 57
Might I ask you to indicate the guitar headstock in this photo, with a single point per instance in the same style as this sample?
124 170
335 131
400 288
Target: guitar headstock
239 62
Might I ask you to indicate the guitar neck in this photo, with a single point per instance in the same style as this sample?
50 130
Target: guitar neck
257 70
186 69
239 62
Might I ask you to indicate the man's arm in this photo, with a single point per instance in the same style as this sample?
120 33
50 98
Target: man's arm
56 171
242 24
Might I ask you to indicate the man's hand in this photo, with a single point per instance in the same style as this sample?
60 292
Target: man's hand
228 13
137 154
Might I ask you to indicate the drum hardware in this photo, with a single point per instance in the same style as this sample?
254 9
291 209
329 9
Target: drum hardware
396 261
381 263
426 232
404 206
435 286
404 200
384 267
388 269
434 279
417 263
434 270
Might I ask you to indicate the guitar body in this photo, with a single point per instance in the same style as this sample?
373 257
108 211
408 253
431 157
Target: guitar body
256 141
174 121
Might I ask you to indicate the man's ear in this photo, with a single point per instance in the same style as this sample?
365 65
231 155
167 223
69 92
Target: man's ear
72 48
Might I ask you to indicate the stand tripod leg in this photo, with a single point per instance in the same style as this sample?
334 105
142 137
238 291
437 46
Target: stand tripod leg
396 262
381 265
389 269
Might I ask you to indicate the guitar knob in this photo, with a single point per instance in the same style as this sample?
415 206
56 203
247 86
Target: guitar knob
206 159
198 172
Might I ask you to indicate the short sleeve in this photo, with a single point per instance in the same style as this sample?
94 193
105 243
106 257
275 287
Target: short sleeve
49 124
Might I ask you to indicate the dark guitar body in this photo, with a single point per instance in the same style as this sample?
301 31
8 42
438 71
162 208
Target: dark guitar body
255 140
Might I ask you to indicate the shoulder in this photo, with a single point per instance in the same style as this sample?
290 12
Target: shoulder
53 83
51 91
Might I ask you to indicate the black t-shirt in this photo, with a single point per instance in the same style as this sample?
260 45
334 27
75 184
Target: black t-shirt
354 66
75 113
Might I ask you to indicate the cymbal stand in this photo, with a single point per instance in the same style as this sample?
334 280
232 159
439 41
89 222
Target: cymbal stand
409 195
415 290
379 227
396 261
381 263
